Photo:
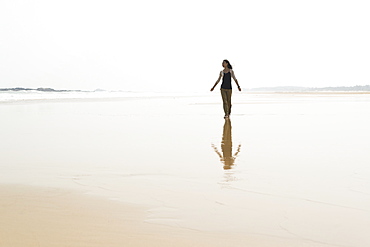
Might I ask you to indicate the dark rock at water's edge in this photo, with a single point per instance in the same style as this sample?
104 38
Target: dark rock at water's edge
45 89
16 89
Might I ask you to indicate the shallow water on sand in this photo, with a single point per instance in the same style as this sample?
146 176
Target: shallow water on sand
291 166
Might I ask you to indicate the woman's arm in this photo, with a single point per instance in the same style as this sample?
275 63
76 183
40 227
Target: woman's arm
218 80
236 81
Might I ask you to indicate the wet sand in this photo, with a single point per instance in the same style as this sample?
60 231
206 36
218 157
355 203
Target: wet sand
54 217
287 170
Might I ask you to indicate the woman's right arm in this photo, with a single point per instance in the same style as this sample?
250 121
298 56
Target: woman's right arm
218 80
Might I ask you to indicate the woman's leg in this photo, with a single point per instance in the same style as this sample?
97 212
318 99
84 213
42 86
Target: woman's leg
224 101
229 93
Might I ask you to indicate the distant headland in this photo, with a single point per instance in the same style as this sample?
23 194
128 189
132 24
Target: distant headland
46 90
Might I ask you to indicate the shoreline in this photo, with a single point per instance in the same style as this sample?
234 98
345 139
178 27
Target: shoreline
169 96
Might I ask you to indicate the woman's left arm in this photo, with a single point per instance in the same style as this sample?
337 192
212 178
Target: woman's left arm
236 81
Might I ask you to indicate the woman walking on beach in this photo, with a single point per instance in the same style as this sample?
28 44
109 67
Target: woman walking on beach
226 89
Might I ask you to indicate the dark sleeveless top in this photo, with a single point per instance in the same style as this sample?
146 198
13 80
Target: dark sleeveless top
226 80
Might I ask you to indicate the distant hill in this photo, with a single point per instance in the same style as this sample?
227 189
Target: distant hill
37 89
309 89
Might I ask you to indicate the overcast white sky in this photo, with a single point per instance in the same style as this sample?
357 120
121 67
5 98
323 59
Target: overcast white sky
169 45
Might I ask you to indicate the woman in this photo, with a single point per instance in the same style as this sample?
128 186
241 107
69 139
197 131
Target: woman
226 89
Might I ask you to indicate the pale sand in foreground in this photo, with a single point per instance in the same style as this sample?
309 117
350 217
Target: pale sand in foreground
54 217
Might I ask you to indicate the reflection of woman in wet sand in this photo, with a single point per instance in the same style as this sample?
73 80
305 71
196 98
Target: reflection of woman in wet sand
227 146
226 74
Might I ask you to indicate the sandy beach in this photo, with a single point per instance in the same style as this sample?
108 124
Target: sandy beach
288 169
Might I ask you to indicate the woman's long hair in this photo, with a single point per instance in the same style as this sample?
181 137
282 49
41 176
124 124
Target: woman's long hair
228 64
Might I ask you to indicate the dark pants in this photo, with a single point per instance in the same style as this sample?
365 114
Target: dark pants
226 98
